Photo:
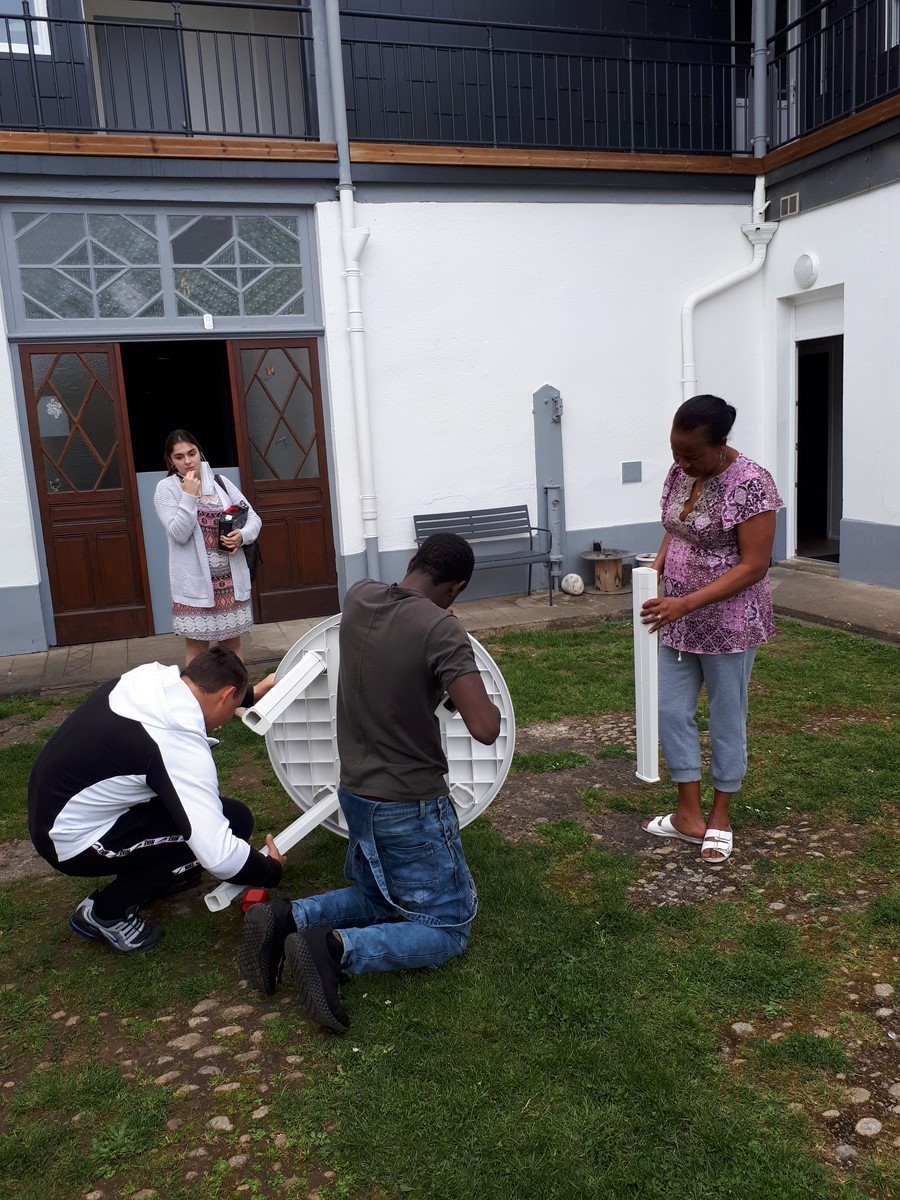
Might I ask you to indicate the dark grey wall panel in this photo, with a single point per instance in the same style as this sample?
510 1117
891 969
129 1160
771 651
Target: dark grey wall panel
870 553
22 627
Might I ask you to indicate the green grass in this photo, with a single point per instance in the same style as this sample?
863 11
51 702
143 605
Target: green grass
805 1050
15 767
66 1130
615 752
30 707
550 760
575 1050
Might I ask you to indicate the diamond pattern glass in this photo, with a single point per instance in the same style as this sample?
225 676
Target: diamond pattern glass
262 416
267 251
272 292
202 240
124 238
80 464
206 293
280 414
99 422
75 266
301 415
107 266
72 382
56 295
53 237
129 293
76 422
285 457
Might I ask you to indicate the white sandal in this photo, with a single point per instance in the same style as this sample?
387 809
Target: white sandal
721 842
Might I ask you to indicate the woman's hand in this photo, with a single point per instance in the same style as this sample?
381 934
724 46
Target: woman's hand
232 541
663 610
191 483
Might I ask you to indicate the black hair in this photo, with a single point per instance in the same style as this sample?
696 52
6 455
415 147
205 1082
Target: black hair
176 436
446 557
216 668
706 412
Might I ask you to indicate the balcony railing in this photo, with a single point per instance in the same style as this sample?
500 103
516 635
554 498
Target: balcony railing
205 67
476 84
823 68
246 68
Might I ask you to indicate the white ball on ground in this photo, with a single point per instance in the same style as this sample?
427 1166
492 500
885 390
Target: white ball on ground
572 585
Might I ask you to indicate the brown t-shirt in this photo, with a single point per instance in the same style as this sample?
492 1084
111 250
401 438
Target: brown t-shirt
399 653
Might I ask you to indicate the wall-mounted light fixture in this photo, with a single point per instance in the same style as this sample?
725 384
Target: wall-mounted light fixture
806 270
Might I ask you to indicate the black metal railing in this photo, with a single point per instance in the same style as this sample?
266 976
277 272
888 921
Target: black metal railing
200 70
478 84
242 68
824 67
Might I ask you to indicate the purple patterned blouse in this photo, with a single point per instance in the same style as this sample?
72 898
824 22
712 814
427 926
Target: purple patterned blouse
704 546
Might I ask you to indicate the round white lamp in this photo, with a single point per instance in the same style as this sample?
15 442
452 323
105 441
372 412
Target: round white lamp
806 270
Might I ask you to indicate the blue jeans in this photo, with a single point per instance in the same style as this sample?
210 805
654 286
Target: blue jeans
681 676
412 900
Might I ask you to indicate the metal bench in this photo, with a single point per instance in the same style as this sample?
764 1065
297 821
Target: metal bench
485 525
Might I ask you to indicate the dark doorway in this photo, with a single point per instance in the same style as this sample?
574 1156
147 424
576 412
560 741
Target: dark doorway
172 385
819 448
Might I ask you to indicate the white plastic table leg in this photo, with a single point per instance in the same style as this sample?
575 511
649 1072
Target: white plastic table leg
645 585
223 895
260 717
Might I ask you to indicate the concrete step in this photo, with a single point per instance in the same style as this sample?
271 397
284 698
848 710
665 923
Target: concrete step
813 566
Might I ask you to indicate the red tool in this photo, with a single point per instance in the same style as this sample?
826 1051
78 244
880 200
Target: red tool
253 896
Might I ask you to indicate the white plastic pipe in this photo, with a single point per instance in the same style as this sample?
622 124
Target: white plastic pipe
644 586
262 716
759 233
353 241
223 895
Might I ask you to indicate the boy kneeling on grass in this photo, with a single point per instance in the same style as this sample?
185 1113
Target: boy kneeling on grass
412 899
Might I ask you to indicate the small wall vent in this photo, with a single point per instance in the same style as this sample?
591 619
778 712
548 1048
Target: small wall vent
789 205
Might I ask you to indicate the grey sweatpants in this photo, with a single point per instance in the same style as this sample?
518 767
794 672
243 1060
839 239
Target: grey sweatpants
681 676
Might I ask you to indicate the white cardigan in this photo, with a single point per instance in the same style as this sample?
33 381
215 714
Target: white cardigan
189 578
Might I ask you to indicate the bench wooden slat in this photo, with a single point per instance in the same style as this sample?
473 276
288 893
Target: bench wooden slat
484 525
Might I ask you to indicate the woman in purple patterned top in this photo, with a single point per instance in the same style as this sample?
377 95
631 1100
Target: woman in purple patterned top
718 511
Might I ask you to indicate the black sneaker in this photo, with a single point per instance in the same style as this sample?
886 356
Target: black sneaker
316 975
126 935
261 956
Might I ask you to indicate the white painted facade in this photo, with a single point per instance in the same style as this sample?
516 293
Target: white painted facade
471 307
20 564
857 294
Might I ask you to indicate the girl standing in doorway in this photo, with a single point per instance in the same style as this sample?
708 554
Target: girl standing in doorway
208 578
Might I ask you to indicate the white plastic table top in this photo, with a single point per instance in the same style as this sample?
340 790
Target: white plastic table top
302 741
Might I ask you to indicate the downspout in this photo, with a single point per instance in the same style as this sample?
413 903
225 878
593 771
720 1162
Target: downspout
760 140
353 241
759 233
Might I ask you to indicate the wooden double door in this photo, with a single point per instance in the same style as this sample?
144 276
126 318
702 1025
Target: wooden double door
84 468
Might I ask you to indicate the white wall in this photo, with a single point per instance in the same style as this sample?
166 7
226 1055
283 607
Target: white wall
20 568
470 307
857 242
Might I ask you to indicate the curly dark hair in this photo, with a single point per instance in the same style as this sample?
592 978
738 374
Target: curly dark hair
706 412
446 557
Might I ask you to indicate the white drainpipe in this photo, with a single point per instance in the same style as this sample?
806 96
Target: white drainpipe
759 233
353 241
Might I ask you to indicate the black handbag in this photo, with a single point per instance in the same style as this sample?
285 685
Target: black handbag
233 518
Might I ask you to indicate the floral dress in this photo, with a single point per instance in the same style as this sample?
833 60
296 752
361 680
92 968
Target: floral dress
704 546
228 618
